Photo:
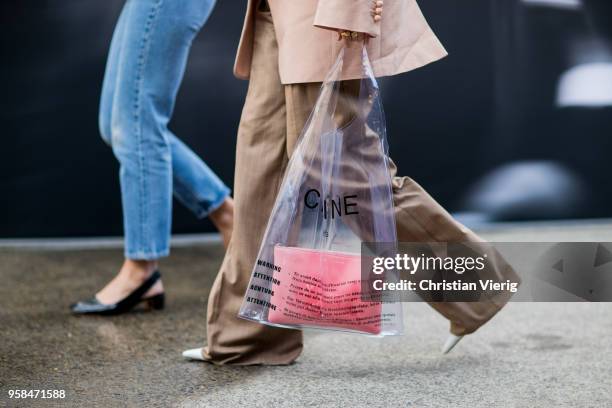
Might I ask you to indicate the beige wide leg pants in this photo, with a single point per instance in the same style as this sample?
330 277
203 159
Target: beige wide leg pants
272 119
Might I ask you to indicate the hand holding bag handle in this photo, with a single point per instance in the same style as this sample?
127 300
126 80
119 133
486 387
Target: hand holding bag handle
359 16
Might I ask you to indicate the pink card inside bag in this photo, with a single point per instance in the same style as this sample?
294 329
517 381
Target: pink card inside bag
322 289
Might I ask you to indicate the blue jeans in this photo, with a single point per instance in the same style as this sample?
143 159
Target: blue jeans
144 70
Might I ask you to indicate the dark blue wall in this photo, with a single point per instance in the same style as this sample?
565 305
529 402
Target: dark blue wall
57 178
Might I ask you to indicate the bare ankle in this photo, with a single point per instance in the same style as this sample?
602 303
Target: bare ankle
139 269
223 217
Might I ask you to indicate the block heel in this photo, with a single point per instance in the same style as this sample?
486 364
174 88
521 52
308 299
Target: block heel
156 302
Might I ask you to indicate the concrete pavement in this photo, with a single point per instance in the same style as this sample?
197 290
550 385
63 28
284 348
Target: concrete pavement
536 355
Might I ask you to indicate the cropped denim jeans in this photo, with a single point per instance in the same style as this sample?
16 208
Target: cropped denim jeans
145 67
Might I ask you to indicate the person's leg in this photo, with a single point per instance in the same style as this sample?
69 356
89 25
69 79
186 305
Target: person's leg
261 158
148 69
195 185
110 76
132 271
418 217
198 188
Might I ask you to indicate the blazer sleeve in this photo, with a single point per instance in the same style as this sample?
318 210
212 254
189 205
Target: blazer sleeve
352 15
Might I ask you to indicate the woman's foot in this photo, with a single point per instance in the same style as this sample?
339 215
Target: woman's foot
450 343
193 354
223 219
146 292
131 276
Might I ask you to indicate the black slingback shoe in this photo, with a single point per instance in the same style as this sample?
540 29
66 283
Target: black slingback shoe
93 306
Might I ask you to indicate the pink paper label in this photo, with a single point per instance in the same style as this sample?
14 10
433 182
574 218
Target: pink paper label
322 288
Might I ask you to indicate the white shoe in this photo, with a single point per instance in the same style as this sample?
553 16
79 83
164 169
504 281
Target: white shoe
450 343
193 354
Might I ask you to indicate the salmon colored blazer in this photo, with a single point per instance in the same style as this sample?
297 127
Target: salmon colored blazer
308 41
